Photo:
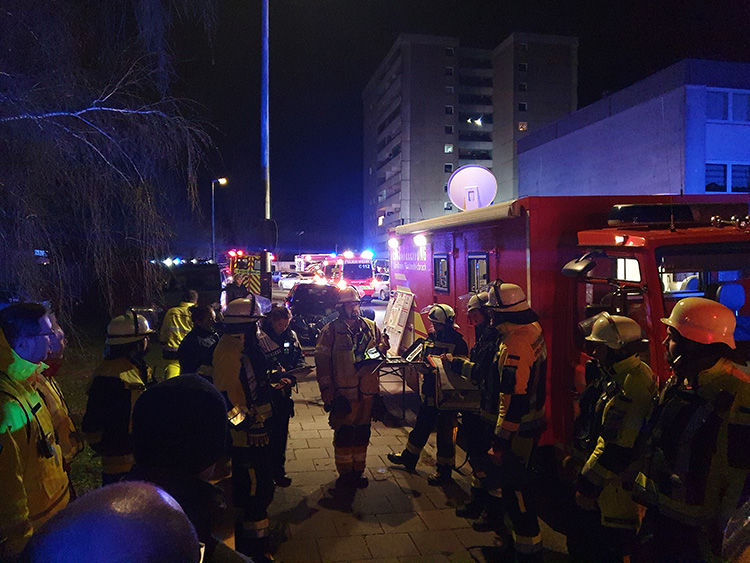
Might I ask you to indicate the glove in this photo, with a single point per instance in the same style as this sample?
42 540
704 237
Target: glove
378 408
341 405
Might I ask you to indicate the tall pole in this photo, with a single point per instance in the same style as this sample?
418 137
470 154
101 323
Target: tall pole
264 126
213 221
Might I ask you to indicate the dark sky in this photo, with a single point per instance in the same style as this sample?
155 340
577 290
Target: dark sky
324 51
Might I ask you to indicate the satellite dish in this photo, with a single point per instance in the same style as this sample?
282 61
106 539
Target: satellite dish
471 187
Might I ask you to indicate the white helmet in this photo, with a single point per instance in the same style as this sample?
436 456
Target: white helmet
703 320
615 331
477 301
442 314
348 295
127 328
507 298
242 310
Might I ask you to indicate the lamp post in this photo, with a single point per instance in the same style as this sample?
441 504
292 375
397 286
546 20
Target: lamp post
299 242
221 182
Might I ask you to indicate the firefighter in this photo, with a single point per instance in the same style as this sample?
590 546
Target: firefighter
117 383
479 427
33 483
444 339
176 325
349 384
521 362
697 463
626 390
241 373
284 352
196 350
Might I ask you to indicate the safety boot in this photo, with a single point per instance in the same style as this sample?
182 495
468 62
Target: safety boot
405 458
441 477
476 505
493 519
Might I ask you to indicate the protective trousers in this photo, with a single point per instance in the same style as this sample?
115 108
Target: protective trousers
253 488
279 433
351 436
428 418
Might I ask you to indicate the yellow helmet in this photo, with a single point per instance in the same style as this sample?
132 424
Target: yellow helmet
615 331
703 320
348 295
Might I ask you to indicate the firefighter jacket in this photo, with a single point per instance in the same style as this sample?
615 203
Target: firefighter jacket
521 363
340 363
70 440
450 341
479 369
177 323
33 483
622 410
697 458
283 349
107 424
241 374
196 351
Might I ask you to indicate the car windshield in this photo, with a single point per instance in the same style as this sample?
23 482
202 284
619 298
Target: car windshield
312 299
357 271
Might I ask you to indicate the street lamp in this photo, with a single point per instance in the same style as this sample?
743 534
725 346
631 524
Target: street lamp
299 241
221 182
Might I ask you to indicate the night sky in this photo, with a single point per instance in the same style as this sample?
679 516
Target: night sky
324 51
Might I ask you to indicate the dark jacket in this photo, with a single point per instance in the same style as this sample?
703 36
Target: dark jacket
197 349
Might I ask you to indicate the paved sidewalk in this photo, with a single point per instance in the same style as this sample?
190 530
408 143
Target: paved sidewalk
398 518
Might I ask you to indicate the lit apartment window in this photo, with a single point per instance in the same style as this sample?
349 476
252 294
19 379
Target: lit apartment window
449 90
448 148
448 110
449 129
449 52
449 71
523 106
448 167
381 220
523 87
523 67
523 125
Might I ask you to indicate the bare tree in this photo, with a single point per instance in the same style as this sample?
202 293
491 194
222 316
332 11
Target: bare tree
92 145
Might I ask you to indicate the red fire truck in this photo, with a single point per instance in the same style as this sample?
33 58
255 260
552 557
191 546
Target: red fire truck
347 270
247 269
629 255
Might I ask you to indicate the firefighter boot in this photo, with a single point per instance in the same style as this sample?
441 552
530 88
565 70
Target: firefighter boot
493 519
476 505
406 458
441 477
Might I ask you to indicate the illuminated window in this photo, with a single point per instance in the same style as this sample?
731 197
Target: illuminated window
523 106
448 148
448 110
478 271
523 125
449 129
628 269
716 177
381 220
440 273
448 167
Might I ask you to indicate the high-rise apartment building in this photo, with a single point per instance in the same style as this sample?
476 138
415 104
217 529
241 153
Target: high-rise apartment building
433 106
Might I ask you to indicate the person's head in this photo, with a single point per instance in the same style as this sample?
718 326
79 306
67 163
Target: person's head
240 313
478 311
699 330
509 303
278 318
129 522
203 316
441 317
614 338
127 335
57 341
190 296
348 304
28 329
180 425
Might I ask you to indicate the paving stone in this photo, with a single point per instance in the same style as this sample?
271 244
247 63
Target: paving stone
443 519
401 522
298 551
393 441
324 464
314 424
357 525
437 541
317 525
299 465
371 505
343 549
295 443
304 434
374 450
311 453
392 545
470 537
319 442
326 433
435 558
402 502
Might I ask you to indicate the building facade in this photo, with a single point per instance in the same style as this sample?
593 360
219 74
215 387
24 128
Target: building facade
683 130
434 105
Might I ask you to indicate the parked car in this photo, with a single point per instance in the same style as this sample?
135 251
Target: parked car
288 281
382 285
312 306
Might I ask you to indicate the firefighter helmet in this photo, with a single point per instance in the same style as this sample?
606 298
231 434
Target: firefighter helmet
242 310
348 295
703 320
127 328
441 314
477 301
615 331
507 298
